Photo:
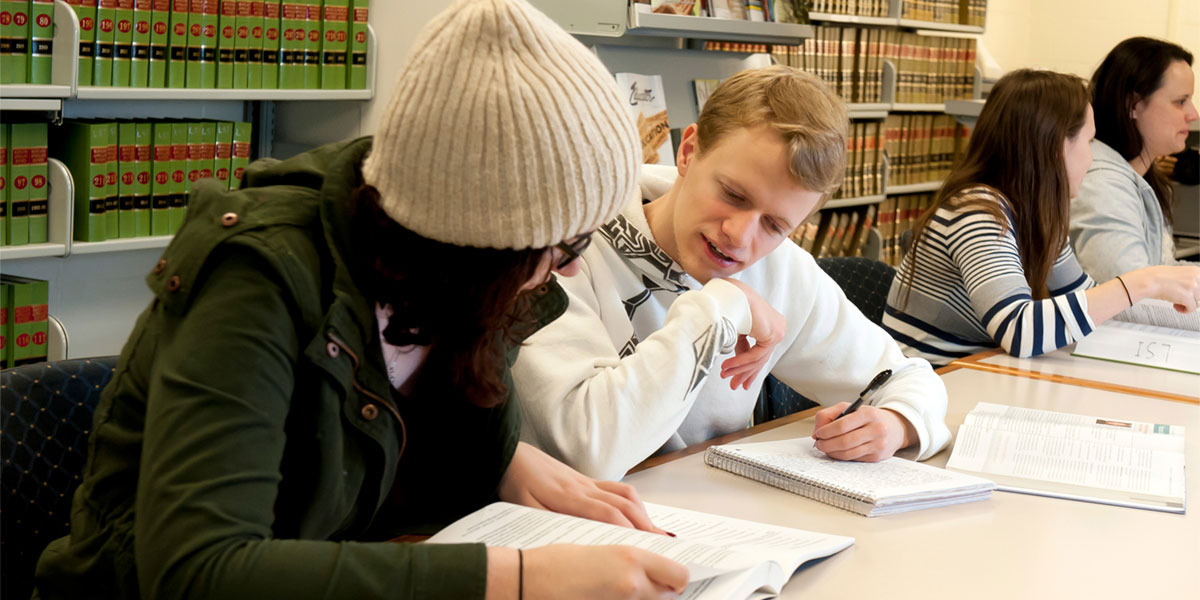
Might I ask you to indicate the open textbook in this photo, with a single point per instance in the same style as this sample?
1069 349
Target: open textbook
1160 313
1077 457
1140 344
885 487
726 558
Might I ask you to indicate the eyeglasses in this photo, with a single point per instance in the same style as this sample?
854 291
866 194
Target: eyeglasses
572 248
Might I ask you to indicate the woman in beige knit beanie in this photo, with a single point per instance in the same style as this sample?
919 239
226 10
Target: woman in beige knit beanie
325 362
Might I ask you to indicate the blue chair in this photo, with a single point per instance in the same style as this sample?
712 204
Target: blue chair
44 426
866 283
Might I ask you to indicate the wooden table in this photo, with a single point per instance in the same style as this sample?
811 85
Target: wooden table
1089 372
1012 546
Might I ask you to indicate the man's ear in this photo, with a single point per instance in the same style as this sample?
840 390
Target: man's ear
689 149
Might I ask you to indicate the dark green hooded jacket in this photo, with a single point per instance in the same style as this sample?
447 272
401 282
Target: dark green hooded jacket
250 445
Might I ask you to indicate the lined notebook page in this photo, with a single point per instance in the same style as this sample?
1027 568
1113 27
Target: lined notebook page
894 479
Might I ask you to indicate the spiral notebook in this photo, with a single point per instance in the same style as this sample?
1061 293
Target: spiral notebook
889 486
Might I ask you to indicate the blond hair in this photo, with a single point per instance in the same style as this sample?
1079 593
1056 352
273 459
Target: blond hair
810 118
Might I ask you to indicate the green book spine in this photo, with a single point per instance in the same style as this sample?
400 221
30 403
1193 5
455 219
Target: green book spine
272 40
127 177
358 46
254 45
241 44
144 137
160 35
40 319
30 317
208 149
223 152
179 175
38 188
83 147
5 153
123 43
312 46
139 65
21 302
203 18
41 41
226 43
5 323
19 170
14 41
177 49
85 10
160 183
242 136
106 28
112 199
293 21
195 156
335 44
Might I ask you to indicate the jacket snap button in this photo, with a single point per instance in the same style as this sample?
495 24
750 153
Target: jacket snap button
543 290
333 349
173 283
160 265
229 219
369 412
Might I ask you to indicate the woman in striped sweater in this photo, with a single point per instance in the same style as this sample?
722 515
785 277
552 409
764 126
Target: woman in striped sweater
990 264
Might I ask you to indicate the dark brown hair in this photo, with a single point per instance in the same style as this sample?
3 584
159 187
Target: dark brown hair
1131 72
464 303
1016 150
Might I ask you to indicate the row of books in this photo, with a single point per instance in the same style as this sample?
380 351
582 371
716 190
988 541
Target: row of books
845 231
24 320
26 41
922 147
864 160
850 59
133 178
959 12
23 184
861 8
897 214
837 232
744 10
229 44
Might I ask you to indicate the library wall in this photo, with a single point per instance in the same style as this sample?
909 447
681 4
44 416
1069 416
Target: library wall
1074 35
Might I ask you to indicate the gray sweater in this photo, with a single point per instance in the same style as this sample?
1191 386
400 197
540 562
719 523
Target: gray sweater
1116 223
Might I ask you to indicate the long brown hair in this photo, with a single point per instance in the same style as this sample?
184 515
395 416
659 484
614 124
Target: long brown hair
1016 150
1131 72
464 303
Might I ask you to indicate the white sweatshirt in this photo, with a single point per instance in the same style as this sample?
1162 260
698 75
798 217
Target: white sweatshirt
633 366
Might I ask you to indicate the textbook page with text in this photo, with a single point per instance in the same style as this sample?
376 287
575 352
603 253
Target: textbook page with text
727 558
1077 457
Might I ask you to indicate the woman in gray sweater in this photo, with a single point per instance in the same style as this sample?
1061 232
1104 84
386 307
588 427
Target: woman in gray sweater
1142 97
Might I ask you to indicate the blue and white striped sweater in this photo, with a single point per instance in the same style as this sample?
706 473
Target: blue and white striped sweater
970 294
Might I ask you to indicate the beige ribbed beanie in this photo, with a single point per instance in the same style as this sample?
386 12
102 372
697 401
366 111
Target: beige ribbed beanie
503 132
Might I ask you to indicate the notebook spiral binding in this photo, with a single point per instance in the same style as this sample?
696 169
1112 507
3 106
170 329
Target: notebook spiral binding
819 490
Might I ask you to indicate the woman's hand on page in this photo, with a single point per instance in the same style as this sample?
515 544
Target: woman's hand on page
868 434
573 571
1177 284
537 479
767 329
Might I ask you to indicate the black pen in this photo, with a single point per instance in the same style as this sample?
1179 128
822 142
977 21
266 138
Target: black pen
875 383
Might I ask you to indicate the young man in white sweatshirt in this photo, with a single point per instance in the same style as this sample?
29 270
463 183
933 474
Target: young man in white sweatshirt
678 286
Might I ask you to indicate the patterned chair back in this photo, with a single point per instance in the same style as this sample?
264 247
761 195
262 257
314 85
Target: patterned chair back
866 283
46 418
